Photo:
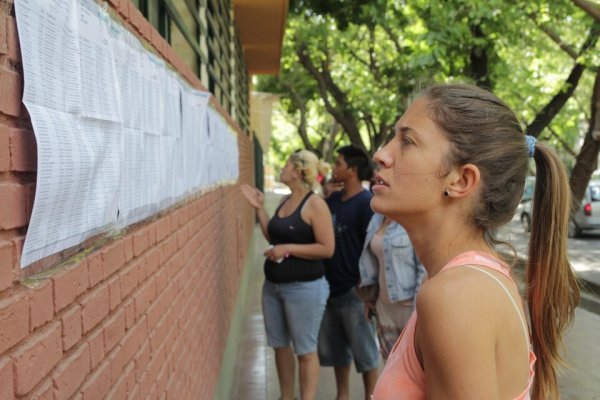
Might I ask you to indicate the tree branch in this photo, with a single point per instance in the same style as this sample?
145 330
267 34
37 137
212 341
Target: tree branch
589 8
543 118
301 105
394 40
326 86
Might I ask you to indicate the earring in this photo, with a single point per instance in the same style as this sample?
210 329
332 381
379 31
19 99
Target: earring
446 193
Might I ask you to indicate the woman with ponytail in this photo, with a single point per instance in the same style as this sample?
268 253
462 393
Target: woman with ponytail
454 173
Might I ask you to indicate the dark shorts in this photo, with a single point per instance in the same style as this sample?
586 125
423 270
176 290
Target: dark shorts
346 334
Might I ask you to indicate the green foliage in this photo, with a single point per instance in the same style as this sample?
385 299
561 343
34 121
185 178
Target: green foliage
379 51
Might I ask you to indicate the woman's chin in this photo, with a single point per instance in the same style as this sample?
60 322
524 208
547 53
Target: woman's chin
377 206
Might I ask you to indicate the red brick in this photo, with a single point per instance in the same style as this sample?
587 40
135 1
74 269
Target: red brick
6 378
129 277
113 258
36 358
124 8
12 39
152 258
95 307
132 341
163 228
162 279
11 86
41 308
128 243
7 264
125 384
129 313
71 373
152 233
167 249
114 330
119 389
19 243
14 211
157 337
136 18
98 384
23 151
43 392
181 237
95 269
143 298
96 343
141 361
71 327
70 284
114 3
4 141
140 241
14 321
114 292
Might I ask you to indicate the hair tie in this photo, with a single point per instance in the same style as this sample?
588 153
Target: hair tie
531 141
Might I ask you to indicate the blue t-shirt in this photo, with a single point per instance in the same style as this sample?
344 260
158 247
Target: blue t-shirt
350 221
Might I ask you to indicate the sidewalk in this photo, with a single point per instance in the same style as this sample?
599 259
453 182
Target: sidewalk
255 377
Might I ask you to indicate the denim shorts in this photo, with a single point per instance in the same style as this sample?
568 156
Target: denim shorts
346 333
293 312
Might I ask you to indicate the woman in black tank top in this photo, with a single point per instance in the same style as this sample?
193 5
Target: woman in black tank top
300 236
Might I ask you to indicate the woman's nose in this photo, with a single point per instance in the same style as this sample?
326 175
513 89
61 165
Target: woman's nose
382 158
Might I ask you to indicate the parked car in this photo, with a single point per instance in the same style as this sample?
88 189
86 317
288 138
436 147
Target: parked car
587 217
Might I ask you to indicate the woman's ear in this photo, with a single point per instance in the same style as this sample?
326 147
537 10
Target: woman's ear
464 180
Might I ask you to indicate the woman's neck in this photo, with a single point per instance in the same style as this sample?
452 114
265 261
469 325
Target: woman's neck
436 244
298 191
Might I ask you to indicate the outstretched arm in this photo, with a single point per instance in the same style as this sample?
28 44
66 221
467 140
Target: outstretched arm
257 200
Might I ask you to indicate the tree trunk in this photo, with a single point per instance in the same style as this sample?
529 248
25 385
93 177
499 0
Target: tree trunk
587 159
478 58
589 8
342 111
301 105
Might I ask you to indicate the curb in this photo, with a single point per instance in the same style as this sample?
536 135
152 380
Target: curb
590 302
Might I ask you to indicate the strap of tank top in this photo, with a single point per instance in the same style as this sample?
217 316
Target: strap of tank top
298 209
512 300
310 192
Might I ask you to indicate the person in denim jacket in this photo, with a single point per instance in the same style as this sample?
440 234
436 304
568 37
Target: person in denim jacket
390 276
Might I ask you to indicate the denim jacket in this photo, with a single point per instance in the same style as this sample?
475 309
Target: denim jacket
403 270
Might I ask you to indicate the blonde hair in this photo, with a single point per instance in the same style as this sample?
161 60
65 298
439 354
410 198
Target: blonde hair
485 132
310 166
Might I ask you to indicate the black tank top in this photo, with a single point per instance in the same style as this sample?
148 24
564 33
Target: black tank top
292 229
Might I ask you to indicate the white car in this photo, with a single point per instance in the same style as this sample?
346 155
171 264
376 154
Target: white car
588 216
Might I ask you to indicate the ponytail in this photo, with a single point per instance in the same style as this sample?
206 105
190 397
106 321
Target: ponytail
553 289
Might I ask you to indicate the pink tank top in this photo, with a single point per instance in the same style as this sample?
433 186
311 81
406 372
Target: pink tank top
403 377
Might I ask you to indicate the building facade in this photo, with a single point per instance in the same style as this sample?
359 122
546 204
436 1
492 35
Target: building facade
145 313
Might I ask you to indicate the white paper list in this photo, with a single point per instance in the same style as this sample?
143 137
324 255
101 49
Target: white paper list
120 136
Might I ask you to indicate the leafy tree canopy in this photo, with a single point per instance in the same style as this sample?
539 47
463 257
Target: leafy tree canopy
349 68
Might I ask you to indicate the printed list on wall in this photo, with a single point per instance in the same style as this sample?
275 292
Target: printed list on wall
120 136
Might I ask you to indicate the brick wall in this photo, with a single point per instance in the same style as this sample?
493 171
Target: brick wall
145 315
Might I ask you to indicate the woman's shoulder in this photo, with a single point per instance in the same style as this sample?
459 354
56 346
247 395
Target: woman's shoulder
457 288
316 202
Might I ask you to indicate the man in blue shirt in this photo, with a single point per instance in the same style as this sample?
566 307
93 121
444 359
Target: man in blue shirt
345 332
